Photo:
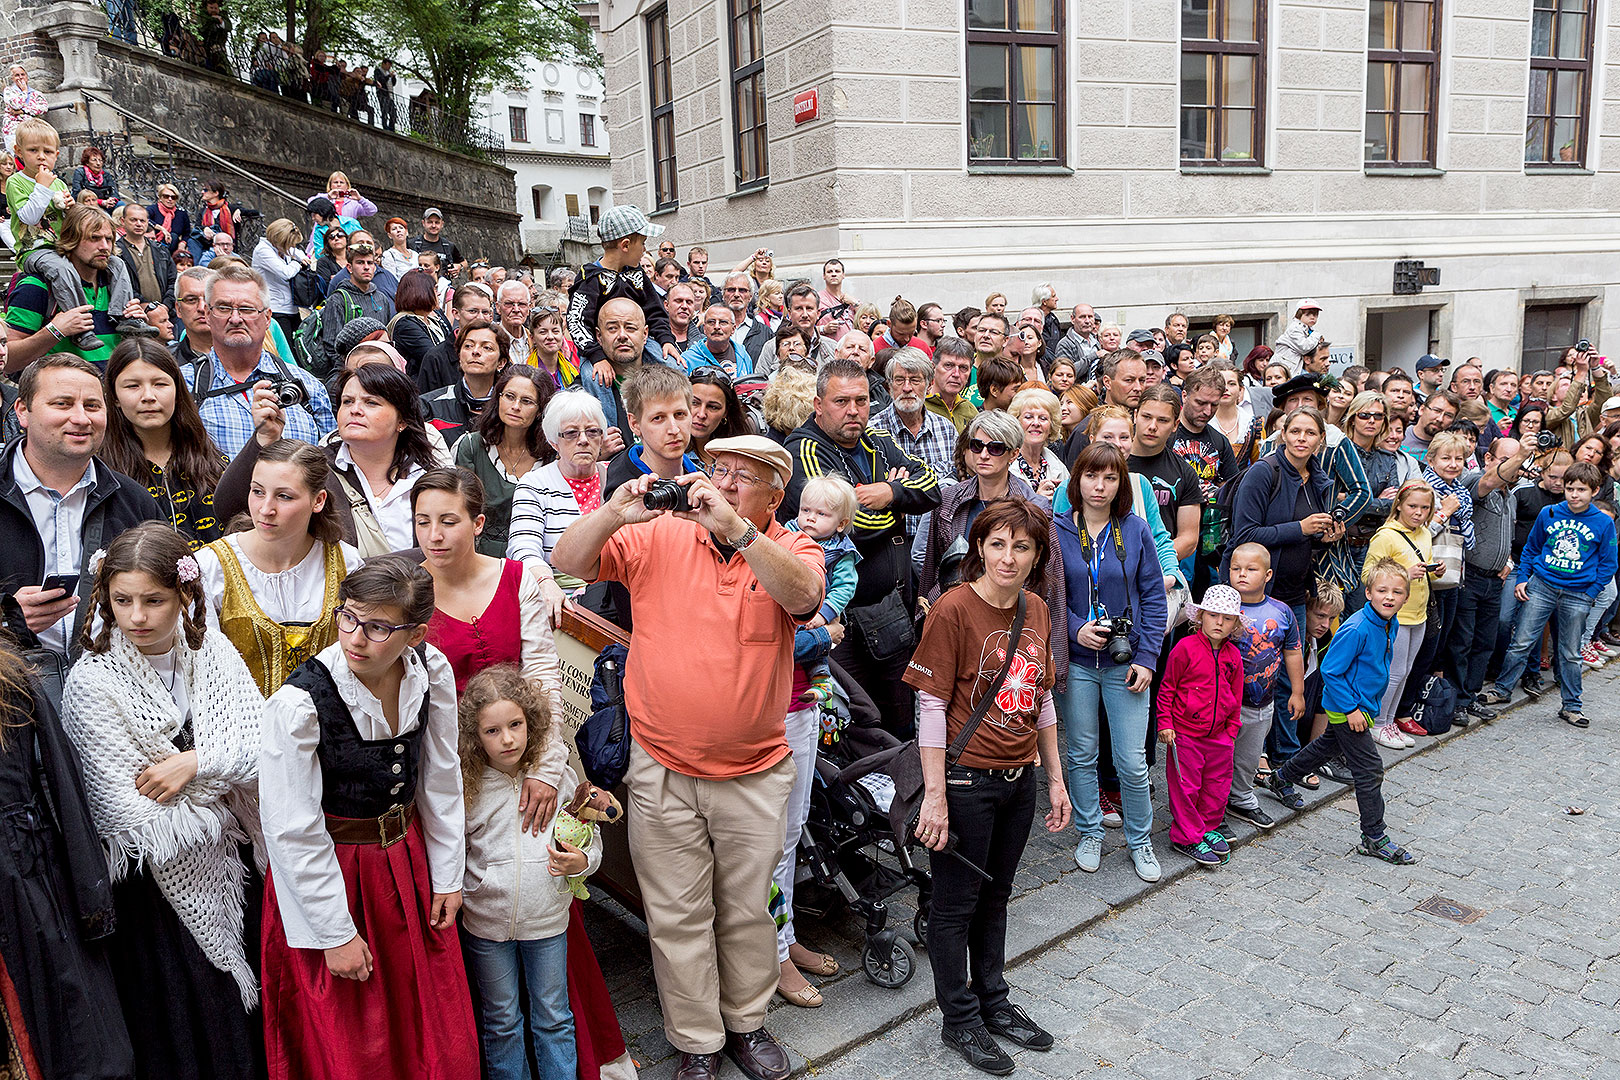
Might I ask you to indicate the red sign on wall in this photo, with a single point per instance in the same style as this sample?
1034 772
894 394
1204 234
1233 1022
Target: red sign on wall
805 106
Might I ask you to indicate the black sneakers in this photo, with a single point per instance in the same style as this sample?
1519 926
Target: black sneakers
979 1050
1011 1022
1256 816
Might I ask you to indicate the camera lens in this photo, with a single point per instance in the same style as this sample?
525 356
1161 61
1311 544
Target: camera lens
666 495
1119 649
290 394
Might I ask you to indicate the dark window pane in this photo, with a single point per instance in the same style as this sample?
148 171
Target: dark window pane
1379 136
987 73
1541 24
1198 19
1381 24
1540 78
987 131
1197 78
1535 140
1197 131
1380 87
987 14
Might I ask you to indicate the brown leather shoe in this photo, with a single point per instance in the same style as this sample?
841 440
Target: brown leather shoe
698 1067
758 1055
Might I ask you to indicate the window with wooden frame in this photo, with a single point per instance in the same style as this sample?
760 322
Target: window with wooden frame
1549 329
587 129
1223 82
1014 72
1403 83
1560 102
517 119
663 109
751 165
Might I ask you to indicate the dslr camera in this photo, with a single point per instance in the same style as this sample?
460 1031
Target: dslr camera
1584 345
289 392
1340 515
1118 629
1547 440
667 495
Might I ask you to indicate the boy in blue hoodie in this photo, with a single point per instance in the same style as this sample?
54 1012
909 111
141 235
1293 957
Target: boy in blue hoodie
1568 558
1355 671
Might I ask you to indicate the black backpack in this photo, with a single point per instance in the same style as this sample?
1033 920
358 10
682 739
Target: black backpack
1436 706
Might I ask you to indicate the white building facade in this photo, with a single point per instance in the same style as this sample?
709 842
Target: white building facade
556 142
1143 155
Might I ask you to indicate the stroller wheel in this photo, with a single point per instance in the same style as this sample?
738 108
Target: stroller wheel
919 926
895 969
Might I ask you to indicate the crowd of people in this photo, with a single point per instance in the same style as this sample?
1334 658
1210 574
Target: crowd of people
283 720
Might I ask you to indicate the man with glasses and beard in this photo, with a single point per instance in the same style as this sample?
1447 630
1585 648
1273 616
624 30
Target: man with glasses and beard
917 430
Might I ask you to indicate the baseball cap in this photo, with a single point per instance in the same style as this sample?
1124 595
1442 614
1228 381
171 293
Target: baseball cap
767 452
1429 360
433 211
1152 356
625 220
1307 304
1141 337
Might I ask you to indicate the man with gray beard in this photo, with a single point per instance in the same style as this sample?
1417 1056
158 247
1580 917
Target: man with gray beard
919 432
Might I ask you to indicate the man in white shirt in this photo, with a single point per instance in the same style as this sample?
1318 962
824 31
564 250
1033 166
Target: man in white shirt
58 503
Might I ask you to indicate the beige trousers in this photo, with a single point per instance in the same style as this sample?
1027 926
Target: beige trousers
704 851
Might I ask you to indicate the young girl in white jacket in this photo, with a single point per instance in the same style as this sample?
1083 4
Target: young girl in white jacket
516 896
165 717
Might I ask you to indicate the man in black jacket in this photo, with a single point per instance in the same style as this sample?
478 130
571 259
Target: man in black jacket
151 268
889 484
59 503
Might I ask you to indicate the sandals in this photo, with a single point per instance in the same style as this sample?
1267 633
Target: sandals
1311 782
1386 849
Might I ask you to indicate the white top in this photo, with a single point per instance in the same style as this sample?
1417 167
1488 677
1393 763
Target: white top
393 510
295 595
309 883
278 274
397 264
59 523
167 666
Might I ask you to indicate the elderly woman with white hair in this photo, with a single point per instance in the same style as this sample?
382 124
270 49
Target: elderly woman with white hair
1052 328
1038 413
552 497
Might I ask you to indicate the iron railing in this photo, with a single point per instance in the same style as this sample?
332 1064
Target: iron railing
213 44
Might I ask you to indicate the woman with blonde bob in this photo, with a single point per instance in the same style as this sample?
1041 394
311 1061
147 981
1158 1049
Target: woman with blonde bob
279 257
1040 415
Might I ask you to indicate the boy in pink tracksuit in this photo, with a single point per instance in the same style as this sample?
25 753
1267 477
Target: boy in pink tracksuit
1199 704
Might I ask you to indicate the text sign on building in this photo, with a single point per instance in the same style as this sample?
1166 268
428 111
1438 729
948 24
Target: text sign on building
805 106
1411 277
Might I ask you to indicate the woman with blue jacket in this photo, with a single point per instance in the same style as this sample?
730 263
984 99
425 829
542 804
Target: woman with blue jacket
1110 570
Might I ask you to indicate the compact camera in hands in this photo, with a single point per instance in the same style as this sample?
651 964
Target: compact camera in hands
667 495
1546 440
289 392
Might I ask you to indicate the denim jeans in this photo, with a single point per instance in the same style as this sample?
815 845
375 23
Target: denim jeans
1127 727
1358 751
1283 741
545 975
1594 621
1473 637
1571 610
1507 621
967 917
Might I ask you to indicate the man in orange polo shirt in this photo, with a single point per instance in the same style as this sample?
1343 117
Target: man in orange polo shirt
715 595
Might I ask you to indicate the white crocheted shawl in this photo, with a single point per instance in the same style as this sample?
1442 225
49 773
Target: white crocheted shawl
122 718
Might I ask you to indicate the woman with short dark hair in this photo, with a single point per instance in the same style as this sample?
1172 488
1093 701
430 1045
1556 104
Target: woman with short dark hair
986 640
419 326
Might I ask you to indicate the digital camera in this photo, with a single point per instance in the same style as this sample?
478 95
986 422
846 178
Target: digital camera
1118 629
289 392
667 495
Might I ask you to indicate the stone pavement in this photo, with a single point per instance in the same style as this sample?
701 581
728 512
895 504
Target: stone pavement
1299 959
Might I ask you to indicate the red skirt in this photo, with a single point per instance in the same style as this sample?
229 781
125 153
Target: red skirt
413 1017
597 1037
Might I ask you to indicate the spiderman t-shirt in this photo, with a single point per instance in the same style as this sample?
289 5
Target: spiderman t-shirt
964 644
1268 629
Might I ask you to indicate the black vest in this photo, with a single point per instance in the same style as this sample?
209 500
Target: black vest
359 778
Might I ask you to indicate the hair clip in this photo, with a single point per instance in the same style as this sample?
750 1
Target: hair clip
95 560
186 569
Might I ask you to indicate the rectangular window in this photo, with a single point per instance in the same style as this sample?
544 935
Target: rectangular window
1548 331
752 166
587 129
1403 81
663 109
1560 83
518 121
1014 71
1223 67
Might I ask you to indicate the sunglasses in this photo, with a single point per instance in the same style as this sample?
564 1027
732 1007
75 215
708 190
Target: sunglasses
1369 416
994 449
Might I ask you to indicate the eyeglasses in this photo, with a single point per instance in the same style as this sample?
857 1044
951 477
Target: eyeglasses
994 449
722 473
576 434
242 311
1369 416
349 622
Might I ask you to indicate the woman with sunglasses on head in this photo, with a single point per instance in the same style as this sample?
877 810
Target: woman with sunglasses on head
717 413
334 255
171 225
155 436
1366 423
418 325
506 444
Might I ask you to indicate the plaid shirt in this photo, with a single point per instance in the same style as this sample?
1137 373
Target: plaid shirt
229 418
935 444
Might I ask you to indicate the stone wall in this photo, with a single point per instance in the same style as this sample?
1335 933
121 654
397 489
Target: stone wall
296 146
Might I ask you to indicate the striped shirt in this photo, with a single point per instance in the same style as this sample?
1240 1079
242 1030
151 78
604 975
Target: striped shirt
543 506
29 307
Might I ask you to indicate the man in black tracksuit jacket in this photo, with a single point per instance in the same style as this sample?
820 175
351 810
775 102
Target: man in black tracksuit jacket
879 638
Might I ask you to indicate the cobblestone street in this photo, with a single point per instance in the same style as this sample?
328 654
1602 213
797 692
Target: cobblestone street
1298 959
1301 959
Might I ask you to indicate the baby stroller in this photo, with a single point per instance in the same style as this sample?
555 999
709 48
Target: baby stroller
850 842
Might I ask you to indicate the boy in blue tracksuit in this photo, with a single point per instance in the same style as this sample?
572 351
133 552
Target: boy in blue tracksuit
1355 672
1569 556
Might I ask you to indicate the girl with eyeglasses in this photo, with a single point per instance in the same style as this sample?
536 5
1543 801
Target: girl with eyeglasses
364 823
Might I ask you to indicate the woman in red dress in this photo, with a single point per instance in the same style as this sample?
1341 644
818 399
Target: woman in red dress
491 611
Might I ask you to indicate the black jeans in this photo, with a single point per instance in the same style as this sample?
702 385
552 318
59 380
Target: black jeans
1360 754
967 917
1473 635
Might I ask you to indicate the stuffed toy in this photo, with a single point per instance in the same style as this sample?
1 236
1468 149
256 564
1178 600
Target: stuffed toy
576 824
